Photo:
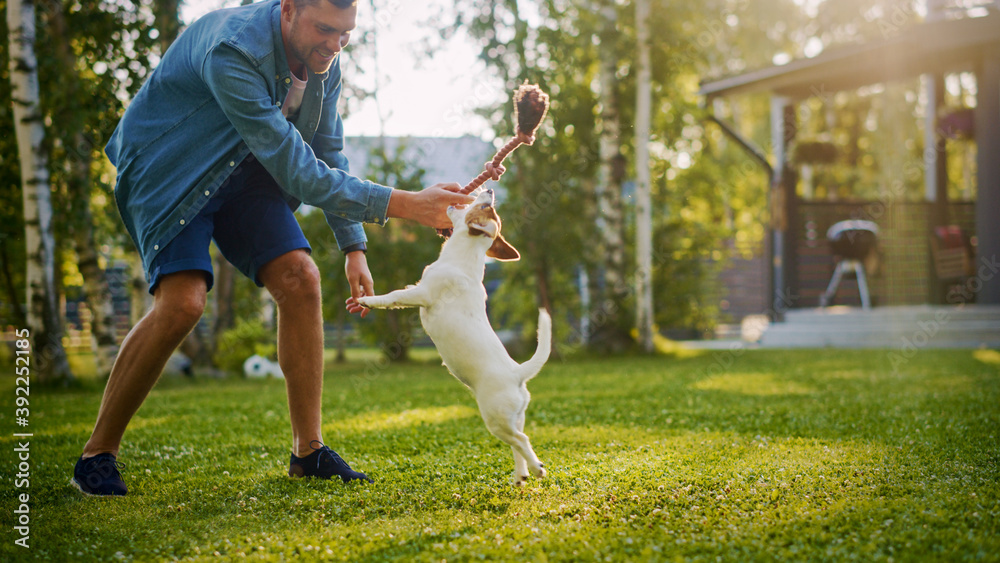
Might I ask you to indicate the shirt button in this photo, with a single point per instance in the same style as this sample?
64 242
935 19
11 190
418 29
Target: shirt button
208 192
156 247
232 163
288 80
182 221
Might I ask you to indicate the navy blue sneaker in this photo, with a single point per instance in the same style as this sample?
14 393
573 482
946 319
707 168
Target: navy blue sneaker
99 476
323 463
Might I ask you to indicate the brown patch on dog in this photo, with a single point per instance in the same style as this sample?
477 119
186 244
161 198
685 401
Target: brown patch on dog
483 220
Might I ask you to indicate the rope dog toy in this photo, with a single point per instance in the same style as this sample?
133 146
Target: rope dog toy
530 106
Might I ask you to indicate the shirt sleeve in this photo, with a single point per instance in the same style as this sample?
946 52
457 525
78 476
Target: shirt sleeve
244 98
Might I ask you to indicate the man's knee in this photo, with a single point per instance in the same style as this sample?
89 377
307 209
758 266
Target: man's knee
293 275
182 297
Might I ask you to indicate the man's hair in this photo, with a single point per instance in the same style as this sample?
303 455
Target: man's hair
342 4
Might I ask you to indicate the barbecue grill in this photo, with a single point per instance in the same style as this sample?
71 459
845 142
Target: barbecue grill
852 243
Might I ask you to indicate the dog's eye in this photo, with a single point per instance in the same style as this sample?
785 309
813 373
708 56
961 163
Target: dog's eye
484 206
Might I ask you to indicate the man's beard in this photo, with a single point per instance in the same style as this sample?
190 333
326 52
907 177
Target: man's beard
303 54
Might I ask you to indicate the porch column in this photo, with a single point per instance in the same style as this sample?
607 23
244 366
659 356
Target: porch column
935 153
782 198
987 118
935 175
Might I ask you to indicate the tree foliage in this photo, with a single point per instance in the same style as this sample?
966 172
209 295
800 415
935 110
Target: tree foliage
552 211
92 56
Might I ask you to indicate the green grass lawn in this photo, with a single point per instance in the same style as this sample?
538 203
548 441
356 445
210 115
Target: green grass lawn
803 455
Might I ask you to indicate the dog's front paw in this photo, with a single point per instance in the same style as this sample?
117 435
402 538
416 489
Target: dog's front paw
364 302
519 480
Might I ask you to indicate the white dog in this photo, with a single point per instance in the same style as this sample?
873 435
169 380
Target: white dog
452 303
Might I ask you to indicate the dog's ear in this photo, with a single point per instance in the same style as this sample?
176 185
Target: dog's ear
502 250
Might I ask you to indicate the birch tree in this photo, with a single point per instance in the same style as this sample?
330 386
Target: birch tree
644 217
609 327
43 313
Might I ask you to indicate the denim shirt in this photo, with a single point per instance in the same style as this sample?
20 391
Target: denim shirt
214 99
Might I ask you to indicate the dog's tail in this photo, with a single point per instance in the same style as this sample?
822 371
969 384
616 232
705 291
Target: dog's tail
531 367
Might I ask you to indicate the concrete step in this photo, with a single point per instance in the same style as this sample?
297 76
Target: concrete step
920 338
894 314
889 327
862 326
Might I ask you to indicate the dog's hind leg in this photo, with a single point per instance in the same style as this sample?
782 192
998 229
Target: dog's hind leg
520 464
517 440
519 426
520 469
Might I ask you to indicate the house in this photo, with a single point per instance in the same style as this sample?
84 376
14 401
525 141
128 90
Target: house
799 263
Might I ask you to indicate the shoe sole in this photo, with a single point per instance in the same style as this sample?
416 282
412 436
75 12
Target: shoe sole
77 486
330 478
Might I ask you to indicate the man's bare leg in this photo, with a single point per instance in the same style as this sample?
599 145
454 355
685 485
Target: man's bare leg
294 282
178 303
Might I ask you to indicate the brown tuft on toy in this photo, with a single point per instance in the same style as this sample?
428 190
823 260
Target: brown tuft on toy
530 106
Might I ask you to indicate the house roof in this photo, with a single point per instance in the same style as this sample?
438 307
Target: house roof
444 159
941 46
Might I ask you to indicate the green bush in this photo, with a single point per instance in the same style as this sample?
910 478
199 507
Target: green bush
242 341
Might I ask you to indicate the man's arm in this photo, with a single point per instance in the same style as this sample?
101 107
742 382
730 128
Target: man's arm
242 93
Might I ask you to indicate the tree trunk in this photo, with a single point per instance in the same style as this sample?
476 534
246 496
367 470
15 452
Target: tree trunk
397 347
542 273
166 14
225 289
644 217
9 288
341 336
609 333
43 312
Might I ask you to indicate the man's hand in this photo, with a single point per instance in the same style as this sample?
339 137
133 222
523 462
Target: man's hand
428 206
360 280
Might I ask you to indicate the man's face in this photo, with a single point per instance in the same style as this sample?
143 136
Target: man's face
313 35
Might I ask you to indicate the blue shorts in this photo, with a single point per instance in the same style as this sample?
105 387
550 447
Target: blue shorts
250 222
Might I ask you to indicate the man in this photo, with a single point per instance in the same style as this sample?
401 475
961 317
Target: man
234 129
